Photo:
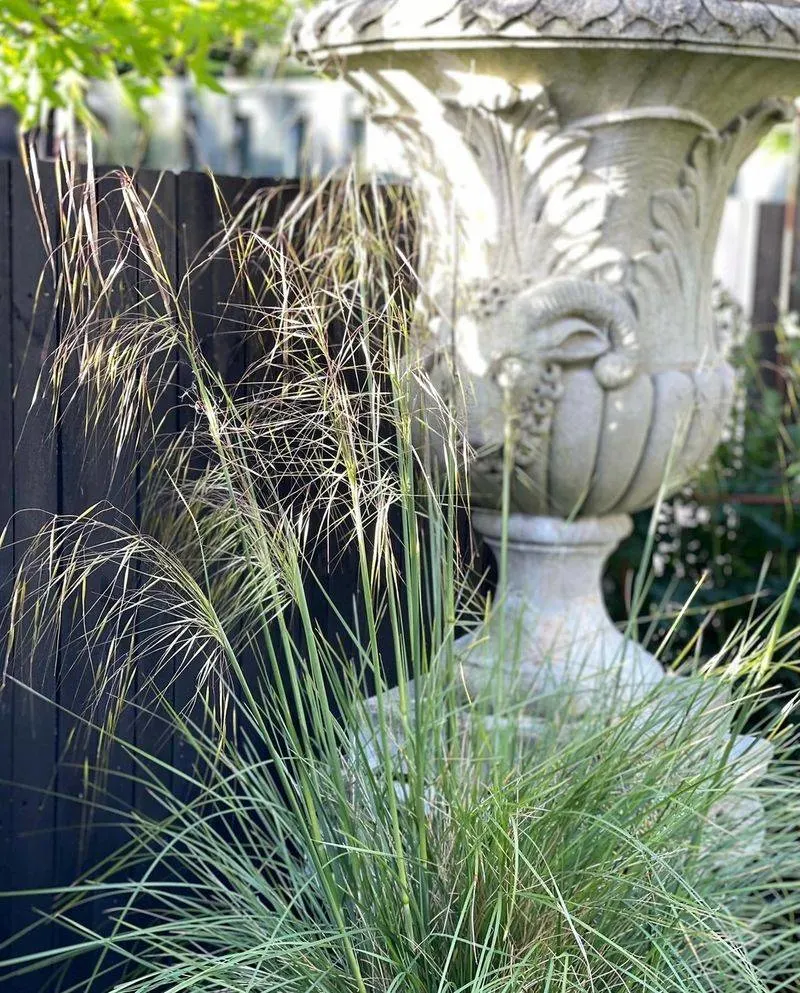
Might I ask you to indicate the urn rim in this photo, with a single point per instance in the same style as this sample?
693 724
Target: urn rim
346 28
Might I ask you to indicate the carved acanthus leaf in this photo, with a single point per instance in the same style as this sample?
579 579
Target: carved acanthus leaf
686 221
550 209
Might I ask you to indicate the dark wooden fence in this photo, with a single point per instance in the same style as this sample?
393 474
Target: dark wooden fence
46 469
768 272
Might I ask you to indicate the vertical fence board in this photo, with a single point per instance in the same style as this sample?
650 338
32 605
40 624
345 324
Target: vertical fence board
6 522
232 316
230 313
111 476
36 486
795 297
158 193
113 472
767 280
196 213
77 747
198 222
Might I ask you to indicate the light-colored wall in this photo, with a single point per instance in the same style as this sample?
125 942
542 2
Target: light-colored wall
736 260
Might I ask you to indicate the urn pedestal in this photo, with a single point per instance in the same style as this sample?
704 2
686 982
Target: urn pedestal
552 625
572 161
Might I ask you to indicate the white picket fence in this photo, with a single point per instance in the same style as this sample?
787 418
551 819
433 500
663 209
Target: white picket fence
253 128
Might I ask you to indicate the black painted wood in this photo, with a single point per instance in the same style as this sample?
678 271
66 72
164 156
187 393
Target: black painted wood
795 297
77 747
34 328
7 698
195 227
768 277
158 193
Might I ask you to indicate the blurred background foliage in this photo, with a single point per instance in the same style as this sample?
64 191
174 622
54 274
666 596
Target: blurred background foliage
729 544
51 49
779 141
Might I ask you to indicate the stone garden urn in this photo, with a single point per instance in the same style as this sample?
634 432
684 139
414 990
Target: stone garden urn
572 159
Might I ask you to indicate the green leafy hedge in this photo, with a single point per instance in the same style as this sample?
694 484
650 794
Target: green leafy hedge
730 543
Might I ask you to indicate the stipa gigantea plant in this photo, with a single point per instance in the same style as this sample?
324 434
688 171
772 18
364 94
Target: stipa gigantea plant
320 841
292 445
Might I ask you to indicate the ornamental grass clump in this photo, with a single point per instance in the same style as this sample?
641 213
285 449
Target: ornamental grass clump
350 819
588 859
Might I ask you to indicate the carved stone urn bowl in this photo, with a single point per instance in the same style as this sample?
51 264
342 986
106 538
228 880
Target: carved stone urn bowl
572 161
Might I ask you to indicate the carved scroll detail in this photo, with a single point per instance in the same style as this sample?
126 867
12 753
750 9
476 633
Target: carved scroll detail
686 222
546 330
532 298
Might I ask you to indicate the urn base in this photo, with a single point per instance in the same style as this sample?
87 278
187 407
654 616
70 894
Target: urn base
549 637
